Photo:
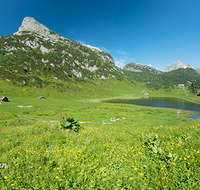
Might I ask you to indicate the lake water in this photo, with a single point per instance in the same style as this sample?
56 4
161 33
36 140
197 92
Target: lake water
162 102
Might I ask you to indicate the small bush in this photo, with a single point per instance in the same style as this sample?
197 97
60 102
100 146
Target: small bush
69 123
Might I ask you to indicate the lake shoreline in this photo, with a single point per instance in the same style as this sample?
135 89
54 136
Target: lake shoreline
161 102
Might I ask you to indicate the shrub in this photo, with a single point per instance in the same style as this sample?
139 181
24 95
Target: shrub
69 123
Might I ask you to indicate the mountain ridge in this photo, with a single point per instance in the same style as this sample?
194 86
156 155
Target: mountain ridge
139 67
37 56
36 53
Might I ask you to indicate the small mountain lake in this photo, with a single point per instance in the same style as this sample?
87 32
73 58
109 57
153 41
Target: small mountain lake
162 102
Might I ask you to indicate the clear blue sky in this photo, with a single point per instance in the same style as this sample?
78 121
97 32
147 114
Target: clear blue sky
156 32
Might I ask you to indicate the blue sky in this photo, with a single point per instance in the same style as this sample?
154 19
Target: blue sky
156 32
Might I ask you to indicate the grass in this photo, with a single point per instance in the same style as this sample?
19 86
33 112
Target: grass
118 146
90 112
41 156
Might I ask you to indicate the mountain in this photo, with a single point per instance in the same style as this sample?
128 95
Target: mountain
177 65
138 67
154 78
36 55
39 57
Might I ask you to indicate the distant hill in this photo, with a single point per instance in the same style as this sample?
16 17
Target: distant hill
36 56
138 67
154 77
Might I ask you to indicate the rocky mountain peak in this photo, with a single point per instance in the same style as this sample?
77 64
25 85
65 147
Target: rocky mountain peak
149 65
30 24
176 65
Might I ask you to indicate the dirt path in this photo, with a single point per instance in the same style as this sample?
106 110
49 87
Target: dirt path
47 120
185 92
37 119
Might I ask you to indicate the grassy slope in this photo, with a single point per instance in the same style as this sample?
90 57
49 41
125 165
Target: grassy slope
82 102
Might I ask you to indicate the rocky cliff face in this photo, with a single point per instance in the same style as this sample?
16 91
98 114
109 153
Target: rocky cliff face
35 50
30 24
33 27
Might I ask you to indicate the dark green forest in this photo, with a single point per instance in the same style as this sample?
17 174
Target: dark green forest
195 87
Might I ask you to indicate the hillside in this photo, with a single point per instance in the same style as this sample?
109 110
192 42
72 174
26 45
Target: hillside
36 56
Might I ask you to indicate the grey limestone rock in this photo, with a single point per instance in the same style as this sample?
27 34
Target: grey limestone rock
177 65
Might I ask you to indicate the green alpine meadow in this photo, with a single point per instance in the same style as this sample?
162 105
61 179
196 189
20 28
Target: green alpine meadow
57 131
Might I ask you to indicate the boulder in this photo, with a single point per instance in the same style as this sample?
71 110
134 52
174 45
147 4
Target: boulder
42 98
4 99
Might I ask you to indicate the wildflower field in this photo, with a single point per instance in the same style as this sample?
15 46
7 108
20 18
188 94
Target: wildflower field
117 146
42 156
